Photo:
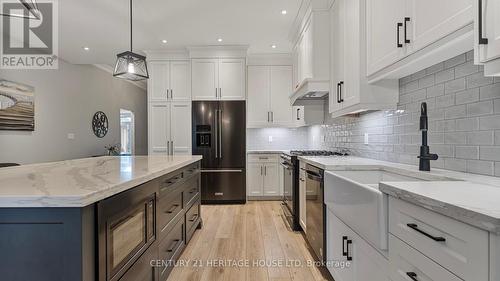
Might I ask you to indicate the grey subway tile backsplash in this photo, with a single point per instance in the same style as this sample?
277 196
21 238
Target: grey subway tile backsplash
464 121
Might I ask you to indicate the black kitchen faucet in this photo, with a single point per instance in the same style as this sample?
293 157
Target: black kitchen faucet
425 157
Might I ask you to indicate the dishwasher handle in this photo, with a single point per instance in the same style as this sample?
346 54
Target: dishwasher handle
314 176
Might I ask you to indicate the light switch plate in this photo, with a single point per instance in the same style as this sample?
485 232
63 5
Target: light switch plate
270 139
366 138
71 136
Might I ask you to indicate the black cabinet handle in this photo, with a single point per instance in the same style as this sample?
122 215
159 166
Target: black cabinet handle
482 40
349 242
298 114
412 275
407 19
398 29
172 246
415 227
344 252
340 94
193 218
172 209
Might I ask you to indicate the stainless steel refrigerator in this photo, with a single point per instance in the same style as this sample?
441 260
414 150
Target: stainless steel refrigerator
219 135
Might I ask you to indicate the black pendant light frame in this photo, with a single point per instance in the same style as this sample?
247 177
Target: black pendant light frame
127 58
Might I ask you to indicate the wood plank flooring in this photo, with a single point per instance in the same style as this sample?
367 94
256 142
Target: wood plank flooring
246 242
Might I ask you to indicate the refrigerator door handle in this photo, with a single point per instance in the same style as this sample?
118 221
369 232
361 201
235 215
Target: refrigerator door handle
216 124
220 134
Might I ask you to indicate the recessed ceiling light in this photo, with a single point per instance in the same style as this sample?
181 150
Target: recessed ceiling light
283 12
86 48
219 40
164 41
273 46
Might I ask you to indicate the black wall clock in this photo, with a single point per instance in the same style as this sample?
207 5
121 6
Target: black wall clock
100 124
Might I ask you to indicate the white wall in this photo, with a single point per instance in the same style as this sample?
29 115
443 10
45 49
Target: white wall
65 101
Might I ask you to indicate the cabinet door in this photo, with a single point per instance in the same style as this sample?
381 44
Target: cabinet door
281 88
432 20
232 79
271 180
382 17
337 18
298 116
159 133
350 85
336 243
491 30
258 96
180 128
180 80
307 50
368 263
255 172
205 79
158 81
142 269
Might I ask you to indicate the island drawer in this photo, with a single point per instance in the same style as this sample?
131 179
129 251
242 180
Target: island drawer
170 183
192 170
170 248
193 216
192 189
168 209
458 247
407 263
263 158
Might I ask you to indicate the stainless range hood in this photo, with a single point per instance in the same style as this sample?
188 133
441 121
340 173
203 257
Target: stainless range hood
310 90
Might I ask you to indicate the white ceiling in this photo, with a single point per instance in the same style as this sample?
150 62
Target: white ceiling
103 26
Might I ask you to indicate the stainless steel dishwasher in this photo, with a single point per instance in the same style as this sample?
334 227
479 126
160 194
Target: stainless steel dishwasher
315 211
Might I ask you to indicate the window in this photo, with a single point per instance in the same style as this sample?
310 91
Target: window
127 125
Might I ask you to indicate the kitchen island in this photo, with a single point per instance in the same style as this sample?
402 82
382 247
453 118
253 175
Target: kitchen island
104 218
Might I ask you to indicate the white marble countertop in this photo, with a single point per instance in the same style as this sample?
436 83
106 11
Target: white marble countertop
268 151
81 182
474 199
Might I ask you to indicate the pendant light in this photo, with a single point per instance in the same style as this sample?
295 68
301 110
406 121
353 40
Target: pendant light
129 65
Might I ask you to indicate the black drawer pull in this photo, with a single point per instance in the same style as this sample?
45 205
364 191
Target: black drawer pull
344 252
482 40
193 218
398 30
415 227
407 41
349 258
412 275
172 209
172 247
193 190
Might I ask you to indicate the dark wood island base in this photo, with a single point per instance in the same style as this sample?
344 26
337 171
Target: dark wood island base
135 235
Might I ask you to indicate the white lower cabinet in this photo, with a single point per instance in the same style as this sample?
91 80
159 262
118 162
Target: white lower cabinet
409 264
349 257
263 175
169 128
487 35
460 248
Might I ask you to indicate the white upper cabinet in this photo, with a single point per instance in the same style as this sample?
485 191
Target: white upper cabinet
281 87
382 18
205 75
349 89
218 79
158 81
428 20
232 79
406 36
268 100
180 81
169 80
487 35
259 81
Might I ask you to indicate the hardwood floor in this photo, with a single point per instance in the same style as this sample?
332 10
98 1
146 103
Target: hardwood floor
245 242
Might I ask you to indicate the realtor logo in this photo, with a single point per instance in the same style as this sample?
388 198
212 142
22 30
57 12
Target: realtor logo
29 35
